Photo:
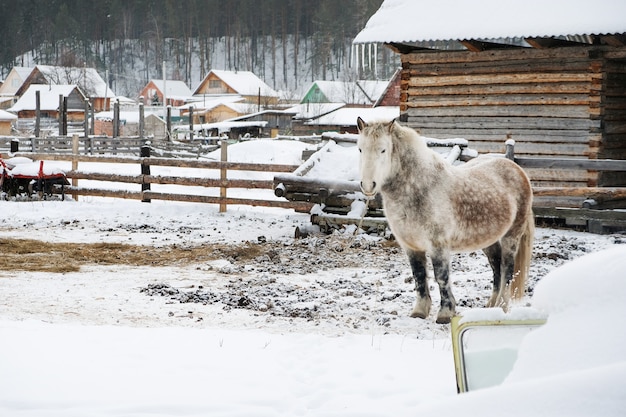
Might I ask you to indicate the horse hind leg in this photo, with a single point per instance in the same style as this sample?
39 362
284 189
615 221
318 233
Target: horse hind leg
422 306
441 267
494 255
501 295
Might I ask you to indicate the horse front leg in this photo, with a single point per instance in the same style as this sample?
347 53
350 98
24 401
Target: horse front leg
441 268
418 266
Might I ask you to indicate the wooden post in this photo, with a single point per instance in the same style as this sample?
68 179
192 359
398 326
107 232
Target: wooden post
60 116
168 122
64 116
86 120
510 149
223 173
116 119
92 128
75 163
145 169
15 145
37 113
190 123
141 118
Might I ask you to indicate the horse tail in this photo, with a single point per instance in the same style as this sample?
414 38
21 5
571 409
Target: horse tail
523 257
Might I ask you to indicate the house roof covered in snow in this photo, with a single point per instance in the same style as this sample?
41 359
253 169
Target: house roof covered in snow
347 116
48 97
5 115
343 92
401 21
87 79
245 83
175 89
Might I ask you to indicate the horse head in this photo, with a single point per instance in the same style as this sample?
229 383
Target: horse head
375 148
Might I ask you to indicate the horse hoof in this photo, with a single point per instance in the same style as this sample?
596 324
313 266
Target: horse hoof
418 315
443 320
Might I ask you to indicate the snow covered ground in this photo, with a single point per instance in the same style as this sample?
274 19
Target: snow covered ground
337 339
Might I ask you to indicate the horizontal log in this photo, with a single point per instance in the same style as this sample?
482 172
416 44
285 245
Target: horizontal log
155 161
563 163
501 100
473 89
306 184
495 79
505 122
581 214
156 179
495 56
96 192
296 205
587 192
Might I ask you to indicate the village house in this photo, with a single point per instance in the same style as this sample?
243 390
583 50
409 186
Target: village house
549 75
176 94
242 83
12 83
6 122
87 79
358 93
49 101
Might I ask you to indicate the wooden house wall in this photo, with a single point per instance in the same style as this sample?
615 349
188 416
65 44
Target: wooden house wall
561 102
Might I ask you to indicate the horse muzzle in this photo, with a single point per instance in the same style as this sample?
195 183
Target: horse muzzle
369 189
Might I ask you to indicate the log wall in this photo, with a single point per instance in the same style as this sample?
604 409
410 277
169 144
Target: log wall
559 102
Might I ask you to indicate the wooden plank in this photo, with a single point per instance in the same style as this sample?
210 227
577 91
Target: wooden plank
496 79
568 65
587 192
496 122
501 100
573 112
296 205
563 163
491 56
501 89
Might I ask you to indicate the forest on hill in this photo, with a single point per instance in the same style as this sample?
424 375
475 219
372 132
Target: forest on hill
286 42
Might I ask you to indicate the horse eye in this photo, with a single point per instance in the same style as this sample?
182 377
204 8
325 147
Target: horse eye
360 150
383 151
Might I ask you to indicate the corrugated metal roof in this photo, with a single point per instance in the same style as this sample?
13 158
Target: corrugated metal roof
429 20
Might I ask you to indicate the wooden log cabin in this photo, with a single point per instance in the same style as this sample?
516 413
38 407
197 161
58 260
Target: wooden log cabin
550 76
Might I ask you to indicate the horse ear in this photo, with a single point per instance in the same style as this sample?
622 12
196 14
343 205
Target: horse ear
390 125
360 124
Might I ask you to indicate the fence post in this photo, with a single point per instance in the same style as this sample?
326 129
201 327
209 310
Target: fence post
141 120
65 116
60 118
37 113
116 119
15 145
168 123
510 149
145 169
190 123
223 173
86 120
75 162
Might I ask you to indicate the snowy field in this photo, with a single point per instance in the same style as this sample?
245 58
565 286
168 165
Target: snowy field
312 327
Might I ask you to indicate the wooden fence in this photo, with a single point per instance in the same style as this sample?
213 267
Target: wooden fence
144 179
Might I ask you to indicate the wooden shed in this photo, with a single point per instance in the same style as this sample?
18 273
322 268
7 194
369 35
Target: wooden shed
243 83
550 75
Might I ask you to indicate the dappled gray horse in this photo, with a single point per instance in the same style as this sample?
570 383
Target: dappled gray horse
435 209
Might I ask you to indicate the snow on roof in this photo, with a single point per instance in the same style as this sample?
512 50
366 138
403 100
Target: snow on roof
337 92
175 89
312 110
373 88
88 78
49 97
427 20
245 83
347 116
5 115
